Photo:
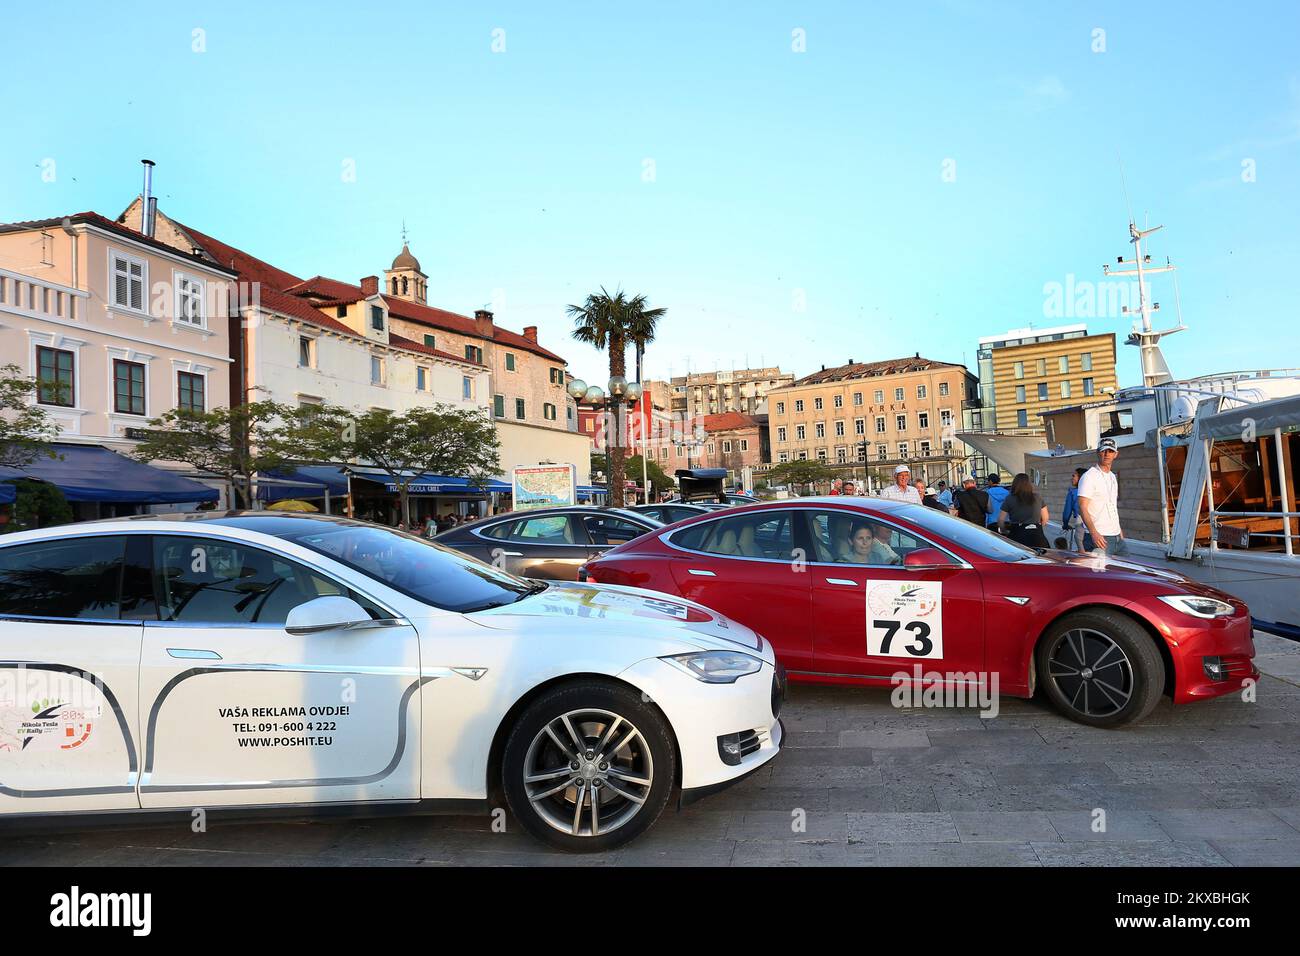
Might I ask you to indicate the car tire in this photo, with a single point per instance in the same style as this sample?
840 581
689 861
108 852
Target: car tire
1101 668
542 787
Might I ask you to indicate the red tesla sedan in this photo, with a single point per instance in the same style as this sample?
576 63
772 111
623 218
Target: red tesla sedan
866 591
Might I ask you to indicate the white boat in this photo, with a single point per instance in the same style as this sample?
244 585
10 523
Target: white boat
1207 469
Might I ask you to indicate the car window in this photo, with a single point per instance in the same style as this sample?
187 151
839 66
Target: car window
210 581
842 537
610 529
765 534
69 578
965 534
539 529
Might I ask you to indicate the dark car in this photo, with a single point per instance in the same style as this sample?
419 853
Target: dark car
547 543
670 511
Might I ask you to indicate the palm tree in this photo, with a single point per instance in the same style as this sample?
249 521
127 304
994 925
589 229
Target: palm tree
610 322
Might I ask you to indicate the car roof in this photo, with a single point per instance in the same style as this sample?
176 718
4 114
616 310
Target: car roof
273 523
549 512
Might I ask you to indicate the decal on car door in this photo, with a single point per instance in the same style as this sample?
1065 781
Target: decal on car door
905 619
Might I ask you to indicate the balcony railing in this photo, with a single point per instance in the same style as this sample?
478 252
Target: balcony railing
37 299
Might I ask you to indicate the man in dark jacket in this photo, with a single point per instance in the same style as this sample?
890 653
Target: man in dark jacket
971 503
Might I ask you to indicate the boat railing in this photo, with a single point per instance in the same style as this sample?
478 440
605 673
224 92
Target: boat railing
1216 526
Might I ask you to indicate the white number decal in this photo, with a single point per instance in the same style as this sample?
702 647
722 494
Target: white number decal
905 619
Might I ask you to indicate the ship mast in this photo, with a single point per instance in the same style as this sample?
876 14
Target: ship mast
1155 371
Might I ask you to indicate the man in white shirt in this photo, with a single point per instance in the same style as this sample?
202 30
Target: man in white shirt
1099 503
901 489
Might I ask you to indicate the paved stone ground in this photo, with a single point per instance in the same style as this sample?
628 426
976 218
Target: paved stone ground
1213 784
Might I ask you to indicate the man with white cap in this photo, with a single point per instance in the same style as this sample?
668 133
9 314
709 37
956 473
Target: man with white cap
901 489
1099 503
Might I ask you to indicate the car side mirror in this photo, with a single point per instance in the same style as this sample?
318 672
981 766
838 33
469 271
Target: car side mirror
925 558
332 613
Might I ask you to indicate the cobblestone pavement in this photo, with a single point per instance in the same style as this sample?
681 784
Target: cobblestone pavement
1212 784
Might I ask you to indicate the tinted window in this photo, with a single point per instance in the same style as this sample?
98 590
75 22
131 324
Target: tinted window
845 538
764 534
208 581
415 566
608 529
539 529
72 578
964 534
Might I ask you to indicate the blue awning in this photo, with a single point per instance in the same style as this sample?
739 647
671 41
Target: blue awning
95 473
432 484
320 477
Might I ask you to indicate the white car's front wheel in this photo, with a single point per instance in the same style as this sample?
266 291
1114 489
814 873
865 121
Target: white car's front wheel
588 766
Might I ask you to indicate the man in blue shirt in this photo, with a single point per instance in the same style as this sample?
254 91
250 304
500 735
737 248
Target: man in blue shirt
945 494
997 494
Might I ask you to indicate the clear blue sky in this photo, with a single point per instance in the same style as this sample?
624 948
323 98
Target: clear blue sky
521 174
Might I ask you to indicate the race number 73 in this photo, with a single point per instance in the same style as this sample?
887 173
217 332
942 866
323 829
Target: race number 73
921 647
905 619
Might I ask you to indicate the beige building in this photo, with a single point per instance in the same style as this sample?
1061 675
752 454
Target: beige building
903 410
116 327
714 393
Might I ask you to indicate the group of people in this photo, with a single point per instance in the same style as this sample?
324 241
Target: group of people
1090 518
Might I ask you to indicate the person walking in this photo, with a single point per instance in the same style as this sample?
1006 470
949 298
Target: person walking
848 488
1023 514
1071 520
901 489
970 502
997 494
1099 504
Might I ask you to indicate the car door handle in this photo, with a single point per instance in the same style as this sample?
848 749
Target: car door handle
510 554
193 654
844 582
701 573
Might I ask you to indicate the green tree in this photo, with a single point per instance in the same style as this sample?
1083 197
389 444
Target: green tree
25 427
610 323
38 504
437 440
800 473
235 443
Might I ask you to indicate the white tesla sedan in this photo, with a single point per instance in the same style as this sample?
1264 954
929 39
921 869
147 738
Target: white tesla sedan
299 664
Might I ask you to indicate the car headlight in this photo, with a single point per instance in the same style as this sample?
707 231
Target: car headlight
1198 606
715 667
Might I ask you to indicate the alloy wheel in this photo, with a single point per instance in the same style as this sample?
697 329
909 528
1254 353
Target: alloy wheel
1092 672
588 772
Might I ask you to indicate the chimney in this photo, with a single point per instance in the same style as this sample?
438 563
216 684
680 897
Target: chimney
483 323
148 205
370 285
530 333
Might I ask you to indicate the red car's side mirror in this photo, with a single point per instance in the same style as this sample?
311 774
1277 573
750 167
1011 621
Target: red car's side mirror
925 557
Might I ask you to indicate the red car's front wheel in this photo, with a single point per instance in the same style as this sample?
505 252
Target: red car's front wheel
1101 668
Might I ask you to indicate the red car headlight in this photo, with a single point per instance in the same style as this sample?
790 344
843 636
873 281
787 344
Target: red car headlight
1197 606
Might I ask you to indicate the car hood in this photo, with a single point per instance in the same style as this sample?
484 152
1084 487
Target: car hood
1071 562
625 607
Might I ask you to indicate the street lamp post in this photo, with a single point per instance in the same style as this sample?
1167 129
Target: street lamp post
621 392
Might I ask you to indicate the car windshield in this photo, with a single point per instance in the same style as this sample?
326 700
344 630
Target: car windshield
964 534
416 567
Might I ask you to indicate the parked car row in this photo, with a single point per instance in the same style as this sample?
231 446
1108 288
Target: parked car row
253 662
